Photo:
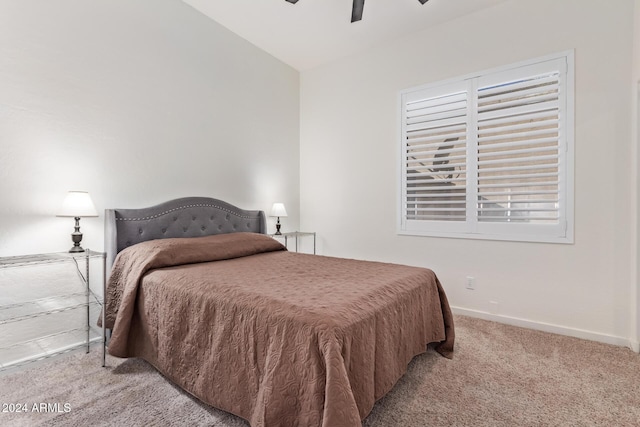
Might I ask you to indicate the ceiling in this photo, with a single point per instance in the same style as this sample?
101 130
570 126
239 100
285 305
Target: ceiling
311 33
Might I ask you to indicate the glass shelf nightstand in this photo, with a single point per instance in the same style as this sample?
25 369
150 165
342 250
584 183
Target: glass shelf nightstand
46 305
296 235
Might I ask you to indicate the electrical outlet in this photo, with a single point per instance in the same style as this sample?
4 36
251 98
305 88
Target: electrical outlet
471 283
494 307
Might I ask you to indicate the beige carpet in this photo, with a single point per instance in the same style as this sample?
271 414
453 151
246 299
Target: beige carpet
500 376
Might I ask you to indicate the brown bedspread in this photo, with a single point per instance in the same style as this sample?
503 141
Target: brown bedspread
277 338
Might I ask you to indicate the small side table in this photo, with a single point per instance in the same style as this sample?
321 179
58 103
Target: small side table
49 301
297 235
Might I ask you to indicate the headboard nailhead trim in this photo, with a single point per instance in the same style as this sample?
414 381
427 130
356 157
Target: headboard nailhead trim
203 205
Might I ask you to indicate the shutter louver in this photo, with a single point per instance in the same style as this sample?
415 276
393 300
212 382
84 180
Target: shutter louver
518 151
435 158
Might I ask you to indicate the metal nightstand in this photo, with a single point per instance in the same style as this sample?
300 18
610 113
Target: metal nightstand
56 297
297 235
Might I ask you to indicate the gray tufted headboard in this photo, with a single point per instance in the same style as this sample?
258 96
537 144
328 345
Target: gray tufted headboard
185 217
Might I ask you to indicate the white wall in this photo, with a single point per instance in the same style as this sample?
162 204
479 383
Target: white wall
349 172
636 137
136 102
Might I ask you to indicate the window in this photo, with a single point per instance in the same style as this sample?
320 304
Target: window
491 155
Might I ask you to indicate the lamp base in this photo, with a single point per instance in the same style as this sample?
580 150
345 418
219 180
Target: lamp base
76 237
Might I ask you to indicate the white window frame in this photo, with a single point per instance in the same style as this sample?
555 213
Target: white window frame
562 231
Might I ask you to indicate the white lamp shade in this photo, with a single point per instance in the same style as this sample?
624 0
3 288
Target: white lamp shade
278 210
77 204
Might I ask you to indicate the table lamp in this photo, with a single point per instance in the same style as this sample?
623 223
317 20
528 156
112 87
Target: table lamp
278 211
77 204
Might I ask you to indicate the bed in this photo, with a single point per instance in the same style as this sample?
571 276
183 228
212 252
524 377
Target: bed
224 311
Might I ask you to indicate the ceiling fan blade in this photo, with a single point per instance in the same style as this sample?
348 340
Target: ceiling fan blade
358 8
356 13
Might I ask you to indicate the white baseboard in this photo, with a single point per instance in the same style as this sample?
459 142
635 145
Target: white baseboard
547 327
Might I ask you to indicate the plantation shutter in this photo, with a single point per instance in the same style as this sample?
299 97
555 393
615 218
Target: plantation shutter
520 149
434 156
490 155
